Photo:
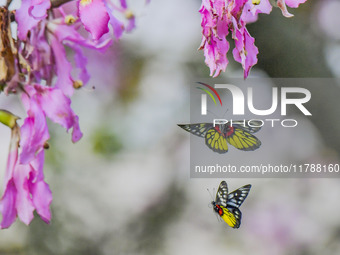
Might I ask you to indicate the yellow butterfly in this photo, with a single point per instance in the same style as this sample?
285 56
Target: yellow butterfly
226 205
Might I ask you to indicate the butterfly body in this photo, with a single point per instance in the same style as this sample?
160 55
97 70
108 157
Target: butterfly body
227 205
239 134
217 208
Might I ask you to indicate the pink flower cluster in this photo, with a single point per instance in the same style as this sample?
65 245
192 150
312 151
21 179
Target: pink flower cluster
221 17
37 68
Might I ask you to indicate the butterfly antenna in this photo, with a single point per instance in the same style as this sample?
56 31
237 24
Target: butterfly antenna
213 114
225 112
212 198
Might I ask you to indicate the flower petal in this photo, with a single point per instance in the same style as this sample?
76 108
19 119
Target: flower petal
214 40
12 155
81 62
76 132
34 131
8 209
41 193
245 51
94 17
57 107
118 26
42 198
131 23
250 14
29 14
282 5
23 201
69 33
123 4
294 3
63 67
39 8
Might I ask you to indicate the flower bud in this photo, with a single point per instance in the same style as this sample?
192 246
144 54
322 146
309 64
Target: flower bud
8 119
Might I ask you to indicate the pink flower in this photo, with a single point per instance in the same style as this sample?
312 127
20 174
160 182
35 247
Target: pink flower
214 40
221 17
46 55
38 57
25 188
53 104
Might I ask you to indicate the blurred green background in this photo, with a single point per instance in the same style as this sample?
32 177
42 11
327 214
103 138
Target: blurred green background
125 187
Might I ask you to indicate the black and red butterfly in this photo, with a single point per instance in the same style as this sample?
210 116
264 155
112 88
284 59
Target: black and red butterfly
226 205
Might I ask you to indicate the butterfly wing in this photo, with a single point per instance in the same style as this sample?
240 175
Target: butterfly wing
230 203
199 129
234 201
232 217
255 125
222 194
237 197
242 139
215 139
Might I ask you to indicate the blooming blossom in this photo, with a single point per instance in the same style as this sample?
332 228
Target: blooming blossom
97 14
221 17
38 69
25 188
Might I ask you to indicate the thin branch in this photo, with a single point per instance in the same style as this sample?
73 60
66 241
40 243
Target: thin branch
8 2
57 3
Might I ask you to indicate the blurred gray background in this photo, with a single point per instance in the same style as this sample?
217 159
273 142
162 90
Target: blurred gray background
125 187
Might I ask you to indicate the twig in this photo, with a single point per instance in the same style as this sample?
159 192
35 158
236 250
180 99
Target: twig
8 2
57 3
